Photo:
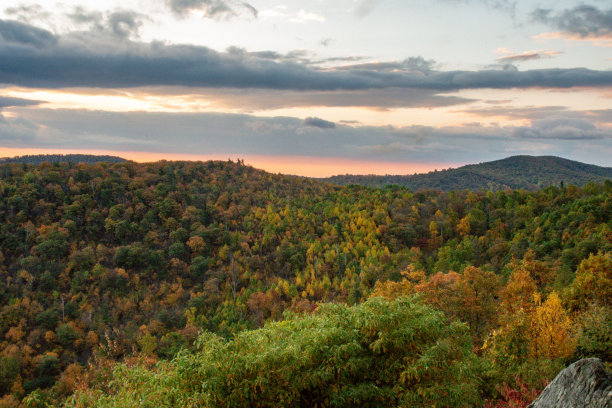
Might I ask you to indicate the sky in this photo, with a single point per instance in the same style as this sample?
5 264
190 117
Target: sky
309 87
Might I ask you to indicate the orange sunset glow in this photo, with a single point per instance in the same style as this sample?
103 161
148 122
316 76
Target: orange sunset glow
295 165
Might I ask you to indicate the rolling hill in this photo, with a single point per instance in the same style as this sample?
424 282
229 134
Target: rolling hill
58 158
105 263
516 172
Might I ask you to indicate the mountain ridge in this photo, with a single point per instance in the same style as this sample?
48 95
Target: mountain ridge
514 172
59 158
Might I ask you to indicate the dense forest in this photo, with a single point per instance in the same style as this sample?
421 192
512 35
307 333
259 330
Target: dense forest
60 158
517 172
183 284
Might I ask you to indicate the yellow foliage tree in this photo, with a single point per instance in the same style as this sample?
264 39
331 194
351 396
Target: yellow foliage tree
463 227
593 283
550 330
405 287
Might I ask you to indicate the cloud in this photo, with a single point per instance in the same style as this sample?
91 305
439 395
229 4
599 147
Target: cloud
603 116
124 23
366 7
301 17
416 65
121 24
80 15
15 32
211 8
9 102
17 132
583 20
512 112
215 133
508 6
376 99
233 134
534 113
28 13
34 57
528 55
319 123
581 23
304 16
561 129
302 57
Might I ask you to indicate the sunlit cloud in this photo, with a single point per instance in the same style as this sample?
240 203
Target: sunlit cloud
599 41
304 16
180 99
509 56
580 23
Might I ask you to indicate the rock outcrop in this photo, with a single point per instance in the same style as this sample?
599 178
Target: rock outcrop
584 384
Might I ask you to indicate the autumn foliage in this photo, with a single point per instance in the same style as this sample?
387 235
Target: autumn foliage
105 262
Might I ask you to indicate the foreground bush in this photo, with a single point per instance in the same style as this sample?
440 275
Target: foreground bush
377 354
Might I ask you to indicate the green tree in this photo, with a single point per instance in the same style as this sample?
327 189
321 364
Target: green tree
377 354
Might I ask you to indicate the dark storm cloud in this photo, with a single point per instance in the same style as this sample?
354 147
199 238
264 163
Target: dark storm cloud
319 123
33 57
582 20
211 8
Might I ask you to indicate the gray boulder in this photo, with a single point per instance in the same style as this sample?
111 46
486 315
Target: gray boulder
584 384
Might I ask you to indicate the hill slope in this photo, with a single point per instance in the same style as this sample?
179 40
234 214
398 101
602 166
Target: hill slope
99 262
59 158
516 172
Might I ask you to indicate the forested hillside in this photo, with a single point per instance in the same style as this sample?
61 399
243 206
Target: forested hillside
517 172
59 158
107 262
